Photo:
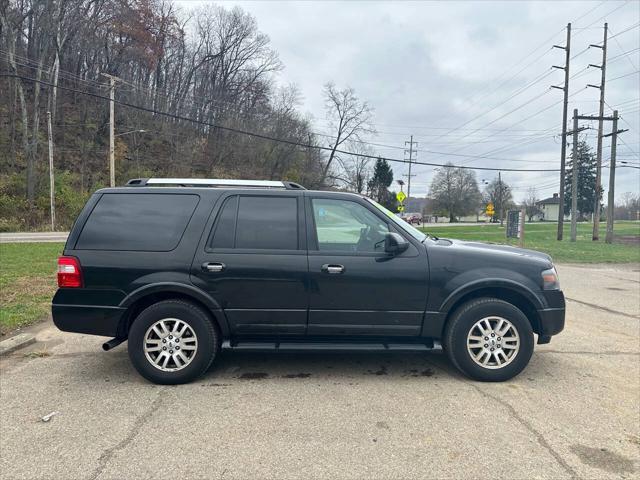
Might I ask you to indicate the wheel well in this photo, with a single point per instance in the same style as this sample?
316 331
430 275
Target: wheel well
139 305
505 294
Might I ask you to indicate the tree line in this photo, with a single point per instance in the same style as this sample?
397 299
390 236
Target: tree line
211 65
456 192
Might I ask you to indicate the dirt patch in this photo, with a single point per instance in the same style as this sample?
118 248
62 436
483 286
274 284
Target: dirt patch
603 459
296 375
632 240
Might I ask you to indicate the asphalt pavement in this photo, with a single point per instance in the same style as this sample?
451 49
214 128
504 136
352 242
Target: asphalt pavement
573 413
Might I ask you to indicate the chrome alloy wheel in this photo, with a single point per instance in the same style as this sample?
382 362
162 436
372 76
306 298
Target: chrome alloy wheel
493 342
170 344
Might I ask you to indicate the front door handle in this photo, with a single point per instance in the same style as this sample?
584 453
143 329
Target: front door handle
213 267
332 268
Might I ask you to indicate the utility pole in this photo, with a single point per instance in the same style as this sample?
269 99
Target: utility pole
411 151
112 147
603 69
612 177
500 196
52 198
574 180
563 150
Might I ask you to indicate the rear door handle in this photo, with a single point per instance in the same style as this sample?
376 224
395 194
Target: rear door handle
333 268
213 267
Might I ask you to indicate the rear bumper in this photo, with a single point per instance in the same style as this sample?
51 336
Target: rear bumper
92 320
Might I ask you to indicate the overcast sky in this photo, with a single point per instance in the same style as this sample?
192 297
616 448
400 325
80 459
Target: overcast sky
469 78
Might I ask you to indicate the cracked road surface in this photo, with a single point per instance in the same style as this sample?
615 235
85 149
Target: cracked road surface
573 413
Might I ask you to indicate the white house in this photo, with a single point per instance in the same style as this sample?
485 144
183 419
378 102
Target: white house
549 208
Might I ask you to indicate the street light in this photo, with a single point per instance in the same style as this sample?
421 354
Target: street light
127 133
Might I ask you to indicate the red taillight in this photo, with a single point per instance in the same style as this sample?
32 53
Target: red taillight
69 272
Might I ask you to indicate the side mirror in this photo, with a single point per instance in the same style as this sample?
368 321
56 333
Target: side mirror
394 244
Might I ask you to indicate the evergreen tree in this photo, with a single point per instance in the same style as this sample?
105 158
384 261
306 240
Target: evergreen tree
587 190
380 183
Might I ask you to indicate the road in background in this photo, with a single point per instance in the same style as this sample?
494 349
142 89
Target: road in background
34 237
573 413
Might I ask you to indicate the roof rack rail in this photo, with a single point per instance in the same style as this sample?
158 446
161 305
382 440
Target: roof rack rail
212 182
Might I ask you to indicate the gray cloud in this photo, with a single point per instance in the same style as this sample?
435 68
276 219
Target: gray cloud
425 66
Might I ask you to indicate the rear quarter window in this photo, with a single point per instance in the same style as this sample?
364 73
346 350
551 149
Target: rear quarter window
151 222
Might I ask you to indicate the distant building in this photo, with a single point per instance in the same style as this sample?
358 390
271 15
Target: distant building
549 208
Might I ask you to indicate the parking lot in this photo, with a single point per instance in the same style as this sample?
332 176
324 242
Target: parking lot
574 412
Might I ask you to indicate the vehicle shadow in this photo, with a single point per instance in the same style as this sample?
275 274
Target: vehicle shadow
329 365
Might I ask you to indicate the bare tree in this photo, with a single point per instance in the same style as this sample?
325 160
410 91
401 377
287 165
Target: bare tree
455 191
628 207
530 203
499 193
349 119
212 65
355 170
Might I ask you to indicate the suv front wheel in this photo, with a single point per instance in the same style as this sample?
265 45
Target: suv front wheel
489 340
172 342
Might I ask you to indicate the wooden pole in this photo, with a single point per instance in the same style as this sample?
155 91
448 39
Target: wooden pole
52 192
574 180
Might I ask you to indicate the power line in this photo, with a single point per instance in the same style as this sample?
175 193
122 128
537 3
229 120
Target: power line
603 17
268 137
625 75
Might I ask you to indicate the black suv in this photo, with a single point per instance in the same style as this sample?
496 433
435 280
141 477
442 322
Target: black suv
185 267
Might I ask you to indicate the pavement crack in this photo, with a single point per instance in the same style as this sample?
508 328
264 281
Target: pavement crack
624 279
539 436
137 426
605 309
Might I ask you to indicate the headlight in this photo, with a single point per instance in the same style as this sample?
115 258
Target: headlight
550 280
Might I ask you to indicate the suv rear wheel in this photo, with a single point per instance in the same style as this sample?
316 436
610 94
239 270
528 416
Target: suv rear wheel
172 342
489 340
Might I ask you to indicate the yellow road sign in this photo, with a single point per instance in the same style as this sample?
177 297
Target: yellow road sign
400 208
400 196
490 211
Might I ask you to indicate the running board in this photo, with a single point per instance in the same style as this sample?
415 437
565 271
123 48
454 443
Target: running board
248 346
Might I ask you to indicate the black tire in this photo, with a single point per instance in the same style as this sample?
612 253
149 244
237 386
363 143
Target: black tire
463 320
202 327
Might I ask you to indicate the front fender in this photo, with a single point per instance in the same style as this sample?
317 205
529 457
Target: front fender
485 283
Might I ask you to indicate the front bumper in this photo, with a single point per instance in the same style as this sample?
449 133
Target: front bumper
551 321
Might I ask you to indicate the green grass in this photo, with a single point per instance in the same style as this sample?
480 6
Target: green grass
542 237
27 282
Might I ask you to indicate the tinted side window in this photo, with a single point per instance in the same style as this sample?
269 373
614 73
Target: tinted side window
151 222
267 223
225 228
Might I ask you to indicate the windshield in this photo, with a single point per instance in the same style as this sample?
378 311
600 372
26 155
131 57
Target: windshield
414 232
